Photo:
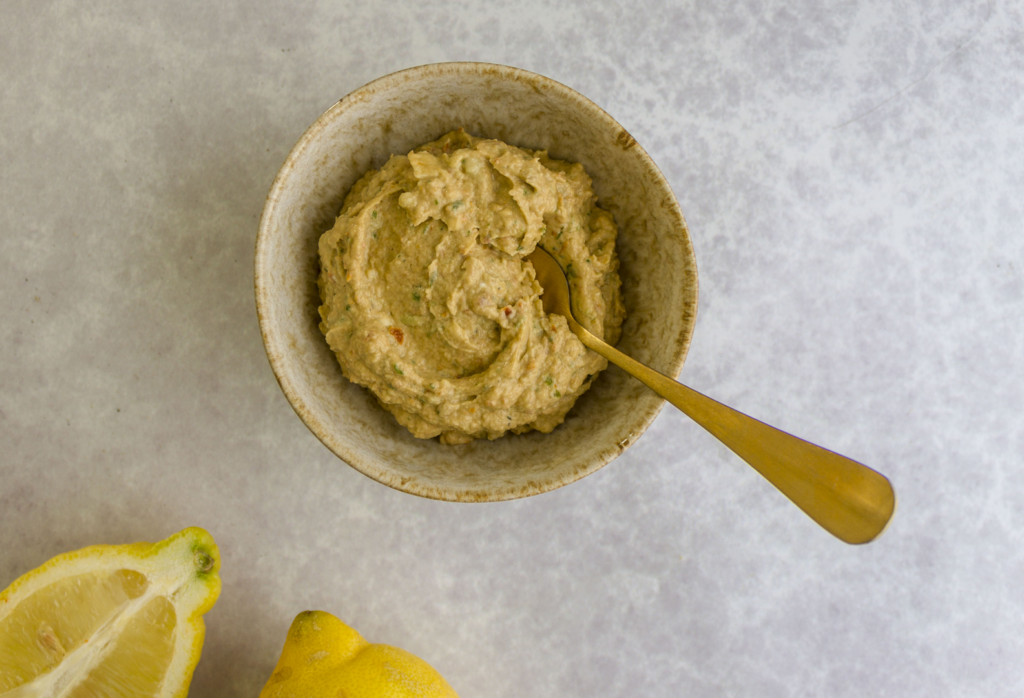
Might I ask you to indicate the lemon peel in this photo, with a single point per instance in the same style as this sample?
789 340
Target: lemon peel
110 620
325 658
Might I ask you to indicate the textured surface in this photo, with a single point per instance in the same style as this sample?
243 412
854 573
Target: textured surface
851 177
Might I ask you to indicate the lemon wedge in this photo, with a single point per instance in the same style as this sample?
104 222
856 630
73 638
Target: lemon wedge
324 658
110 621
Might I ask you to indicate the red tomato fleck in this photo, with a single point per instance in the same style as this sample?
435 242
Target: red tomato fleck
397 333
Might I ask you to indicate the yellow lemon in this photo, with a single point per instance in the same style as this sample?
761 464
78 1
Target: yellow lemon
324 658
110 620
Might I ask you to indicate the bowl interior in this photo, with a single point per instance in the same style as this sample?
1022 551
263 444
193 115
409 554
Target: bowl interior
393 115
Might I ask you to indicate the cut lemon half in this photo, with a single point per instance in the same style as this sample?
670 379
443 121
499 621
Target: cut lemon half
110 621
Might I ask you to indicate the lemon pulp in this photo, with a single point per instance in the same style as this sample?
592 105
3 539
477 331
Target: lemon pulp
103 629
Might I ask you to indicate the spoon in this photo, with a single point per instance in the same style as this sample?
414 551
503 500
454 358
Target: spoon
849 500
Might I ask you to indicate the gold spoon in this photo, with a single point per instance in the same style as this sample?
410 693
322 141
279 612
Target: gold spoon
849 500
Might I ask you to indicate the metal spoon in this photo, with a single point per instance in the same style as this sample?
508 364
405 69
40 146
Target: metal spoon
849 500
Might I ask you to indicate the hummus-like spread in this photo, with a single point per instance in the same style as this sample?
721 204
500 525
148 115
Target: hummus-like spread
427 300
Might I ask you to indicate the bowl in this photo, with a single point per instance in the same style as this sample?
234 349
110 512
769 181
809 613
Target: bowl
394 114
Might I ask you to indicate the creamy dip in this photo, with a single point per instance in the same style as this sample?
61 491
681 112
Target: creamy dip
427 300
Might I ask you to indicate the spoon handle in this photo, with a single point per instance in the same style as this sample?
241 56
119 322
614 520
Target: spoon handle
849 500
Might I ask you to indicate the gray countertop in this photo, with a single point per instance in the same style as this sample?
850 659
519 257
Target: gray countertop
853 179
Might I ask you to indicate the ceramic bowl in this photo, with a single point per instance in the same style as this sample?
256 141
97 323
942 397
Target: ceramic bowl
394 114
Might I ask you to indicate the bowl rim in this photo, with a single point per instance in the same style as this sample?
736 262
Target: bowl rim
369 468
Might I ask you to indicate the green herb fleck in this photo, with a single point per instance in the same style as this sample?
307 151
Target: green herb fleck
415 295
348 307
456 205
558 394
374 214
549 380
398 370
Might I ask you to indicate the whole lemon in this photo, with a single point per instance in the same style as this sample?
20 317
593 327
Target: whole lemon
324 658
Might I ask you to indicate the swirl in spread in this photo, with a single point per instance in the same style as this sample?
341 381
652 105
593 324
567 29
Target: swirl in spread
427 300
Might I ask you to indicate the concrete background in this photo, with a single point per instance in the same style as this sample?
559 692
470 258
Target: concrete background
852 175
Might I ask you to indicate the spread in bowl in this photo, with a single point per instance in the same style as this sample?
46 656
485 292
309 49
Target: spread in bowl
428 302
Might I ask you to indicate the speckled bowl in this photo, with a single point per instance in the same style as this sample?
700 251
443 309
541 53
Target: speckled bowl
393 115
